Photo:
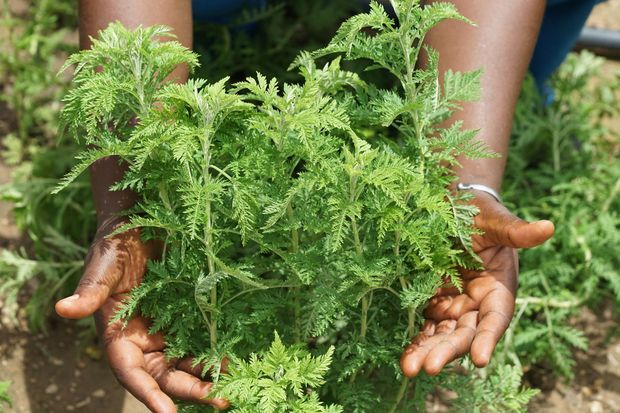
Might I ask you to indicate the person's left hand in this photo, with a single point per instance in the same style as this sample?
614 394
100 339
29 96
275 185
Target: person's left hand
140 365
474 320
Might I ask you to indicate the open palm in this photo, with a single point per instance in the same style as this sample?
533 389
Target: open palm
116 264
140 365
474 320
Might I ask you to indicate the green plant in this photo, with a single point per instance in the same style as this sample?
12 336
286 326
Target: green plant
498 392
320 209
279 381
36 39
266 39
563 164
4 396
58 228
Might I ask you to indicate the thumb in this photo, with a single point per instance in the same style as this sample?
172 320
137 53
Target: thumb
97 284
502 227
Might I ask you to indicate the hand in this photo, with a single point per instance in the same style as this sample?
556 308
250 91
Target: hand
114 265
474 321
140 365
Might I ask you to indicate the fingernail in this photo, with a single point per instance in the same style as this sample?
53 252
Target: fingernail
74 297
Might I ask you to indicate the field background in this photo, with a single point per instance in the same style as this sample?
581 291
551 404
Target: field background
59 372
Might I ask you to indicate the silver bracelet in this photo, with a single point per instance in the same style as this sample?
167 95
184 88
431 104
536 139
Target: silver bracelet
479 187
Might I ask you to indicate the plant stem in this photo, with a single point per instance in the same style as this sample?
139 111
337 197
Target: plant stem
364 326
556 153
403 284
401 393
365 299
211 266
356 238
208 240
295 290
359 252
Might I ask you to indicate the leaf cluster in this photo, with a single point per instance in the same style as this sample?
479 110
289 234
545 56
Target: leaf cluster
4 396
34 44
499 392
280 381
320 209
563 165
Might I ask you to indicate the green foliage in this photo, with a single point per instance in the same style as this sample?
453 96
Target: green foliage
321 209
4 396
276 213
499 392
36 43
563 165
282 380
57 227
266 39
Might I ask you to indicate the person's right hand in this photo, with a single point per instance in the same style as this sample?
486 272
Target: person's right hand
140 365
114 265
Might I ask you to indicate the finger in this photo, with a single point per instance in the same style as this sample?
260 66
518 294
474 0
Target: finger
453 345
413 357
184 386
189 365
449 308
99 279
144 387
524 234
128 364
428 327
502 227
445 327
490 329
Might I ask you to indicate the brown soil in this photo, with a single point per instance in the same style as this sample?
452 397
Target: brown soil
606 16
596 386
52 374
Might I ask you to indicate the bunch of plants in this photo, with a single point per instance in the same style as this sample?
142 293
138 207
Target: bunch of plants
267 37
319 210
563 165
57 229
37 40
47 265
4 396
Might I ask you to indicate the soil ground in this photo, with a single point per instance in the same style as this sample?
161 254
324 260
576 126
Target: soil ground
58 372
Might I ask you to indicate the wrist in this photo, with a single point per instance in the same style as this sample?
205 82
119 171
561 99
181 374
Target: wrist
479 188
110 205
485 171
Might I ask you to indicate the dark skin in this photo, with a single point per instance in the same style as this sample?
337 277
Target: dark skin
472 322
116 264
456 323
113 266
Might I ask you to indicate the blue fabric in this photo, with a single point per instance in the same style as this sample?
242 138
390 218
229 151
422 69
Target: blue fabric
221 11
560 29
